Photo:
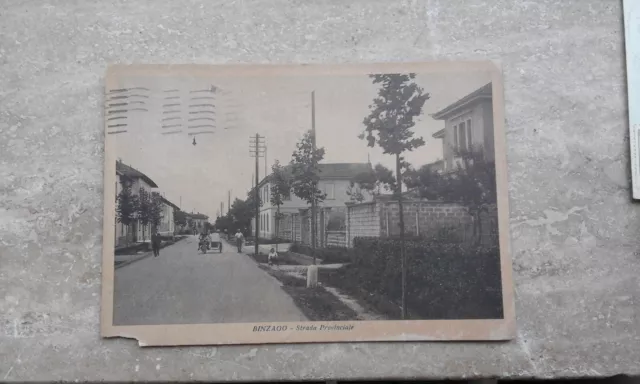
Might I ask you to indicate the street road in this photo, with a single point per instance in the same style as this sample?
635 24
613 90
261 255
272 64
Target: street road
184 286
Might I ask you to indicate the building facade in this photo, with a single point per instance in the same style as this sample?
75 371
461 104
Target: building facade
468 126
197 221
127 176
335 180
167 223
123 233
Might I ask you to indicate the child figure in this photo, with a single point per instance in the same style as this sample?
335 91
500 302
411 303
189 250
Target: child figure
273 255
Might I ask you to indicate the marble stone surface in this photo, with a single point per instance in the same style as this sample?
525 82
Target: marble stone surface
574 230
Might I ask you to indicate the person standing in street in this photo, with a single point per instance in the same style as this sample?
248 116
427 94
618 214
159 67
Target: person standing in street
155 243
239 239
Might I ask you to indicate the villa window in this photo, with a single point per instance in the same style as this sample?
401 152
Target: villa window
462 136
469 141
329 190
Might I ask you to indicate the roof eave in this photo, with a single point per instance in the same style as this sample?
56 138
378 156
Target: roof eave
148 180
486 91
439 134
164 199
455 108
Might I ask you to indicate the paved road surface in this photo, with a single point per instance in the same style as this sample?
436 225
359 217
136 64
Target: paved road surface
184 286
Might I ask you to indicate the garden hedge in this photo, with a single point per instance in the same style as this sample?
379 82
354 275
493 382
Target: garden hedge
444 281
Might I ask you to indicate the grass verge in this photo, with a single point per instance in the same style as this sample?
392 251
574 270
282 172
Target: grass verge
315 303
375 303
283 259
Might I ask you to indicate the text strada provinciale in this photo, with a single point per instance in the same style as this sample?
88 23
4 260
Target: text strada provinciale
301 328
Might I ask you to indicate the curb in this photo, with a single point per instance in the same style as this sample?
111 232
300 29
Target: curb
144 256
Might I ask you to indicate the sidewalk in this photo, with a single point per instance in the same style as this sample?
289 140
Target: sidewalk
124 260
230 246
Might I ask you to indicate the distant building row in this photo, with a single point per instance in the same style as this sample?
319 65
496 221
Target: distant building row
137 232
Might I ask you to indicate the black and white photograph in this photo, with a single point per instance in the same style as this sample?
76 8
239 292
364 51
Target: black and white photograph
269 204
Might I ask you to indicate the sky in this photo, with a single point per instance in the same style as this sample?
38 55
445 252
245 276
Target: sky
198 178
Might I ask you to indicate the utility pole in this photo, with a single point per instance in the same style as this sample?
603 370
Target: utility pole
181 203
257 147
229 202
265 161
221 208
313 156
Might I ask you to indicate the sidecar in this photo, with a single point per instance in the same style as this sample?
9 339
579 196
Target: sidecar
216 242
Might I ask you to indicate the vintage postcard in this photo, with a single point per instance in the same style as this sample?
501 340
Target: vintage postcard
632 50
306 203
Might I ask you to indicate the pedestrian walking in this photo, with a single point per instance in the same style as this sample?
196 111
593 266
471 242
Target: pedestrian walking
239 239
155 243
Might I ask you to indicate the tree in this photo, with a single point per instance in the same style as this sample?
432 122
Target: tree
429 184
241 213
473 185
144 210
224 223
251 198
127 206
376 181
156 209
354 191
280 190
179 218
399 101
305 174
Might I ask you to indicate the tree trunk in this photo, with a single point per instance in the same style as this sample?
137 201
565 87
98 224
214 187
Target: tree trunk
479 229
403 260
313 229
277 227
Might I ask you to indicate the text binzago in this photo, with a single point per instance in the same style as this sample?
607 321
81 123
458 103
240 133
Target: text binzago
270 328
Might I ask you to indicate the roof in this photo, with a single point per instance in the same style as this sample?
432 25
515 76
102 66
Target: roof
343 170
333 171
164 200
197 216
128 171
484 92
436 164
412 192
439 134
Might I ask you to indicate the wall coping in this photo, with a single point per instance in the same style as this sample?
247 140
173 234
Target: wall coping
351 205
